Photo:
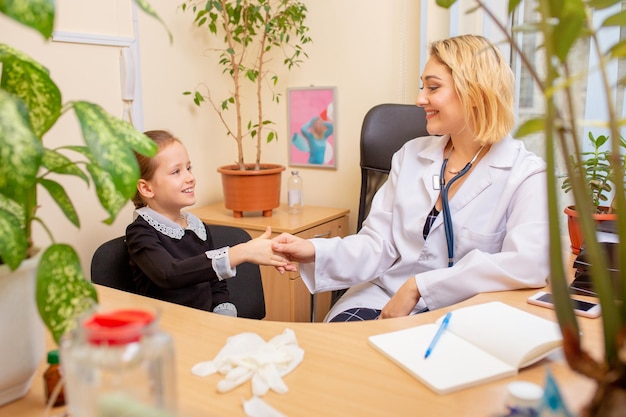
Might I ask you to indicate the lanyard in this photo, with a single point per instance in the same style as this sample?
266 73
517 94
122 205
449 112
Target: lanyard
445 207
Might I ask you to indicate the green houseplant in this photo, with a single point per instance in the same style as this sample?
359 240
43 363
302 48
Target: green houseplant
37 280
255 36
561 25
30 105
598 172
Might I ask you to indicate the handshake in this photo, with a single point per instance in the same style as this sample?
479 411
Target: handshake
282 252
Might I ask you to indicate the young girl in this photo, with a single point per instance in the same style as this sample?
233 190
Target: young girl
171 252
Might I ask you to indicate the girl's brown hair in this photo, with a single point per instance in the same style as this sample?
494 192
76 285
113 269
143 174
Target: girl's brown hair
147 166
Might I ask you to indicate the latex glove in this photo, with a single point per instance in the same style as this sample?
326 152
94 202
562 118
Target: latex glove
256 407
247 356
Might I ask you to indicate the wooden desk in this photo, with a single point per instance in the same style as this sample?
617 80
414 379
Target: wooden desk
286 296
341 375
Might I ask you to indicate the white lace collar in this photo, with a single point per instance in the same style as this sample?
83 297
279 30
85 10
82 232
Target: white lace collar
170 228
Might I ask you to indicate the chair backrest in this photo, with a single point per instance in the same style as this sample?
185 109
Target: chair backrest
110 267
386 127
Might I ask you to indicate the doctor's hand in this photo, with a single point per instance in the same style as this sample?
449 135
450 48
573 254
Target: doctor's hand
293 248
403 302
259 250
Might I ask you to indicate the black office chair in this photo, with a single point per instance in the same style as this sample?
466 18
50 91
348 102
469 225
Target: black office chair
110 267
386 127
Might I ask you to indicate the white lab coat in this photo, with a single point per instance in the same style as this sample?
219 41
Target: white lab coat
500 221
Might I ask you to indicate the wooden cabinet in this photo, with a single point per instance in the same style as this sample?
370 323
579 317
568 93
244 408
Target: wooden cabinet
286 296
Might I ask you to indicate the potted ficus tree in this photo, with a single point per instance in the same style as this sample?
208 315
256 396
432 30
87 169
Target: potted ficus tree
598 172
560 26
36 280
254 36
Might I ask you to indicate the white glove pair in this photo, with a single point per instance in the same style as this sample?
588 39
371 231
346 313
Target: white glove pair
247 356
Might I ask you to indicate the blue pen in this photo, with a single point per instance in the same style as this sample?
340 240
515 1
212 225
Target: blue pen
443 326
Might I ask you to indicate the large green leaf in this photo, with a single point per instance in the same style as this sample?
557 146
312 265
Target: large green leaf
111 142
20 149
30 81
530 127
513 5
617 19
618 50
59 195
63 293
570 16
112 201
14 208
602 4
13 242
61 164
36 14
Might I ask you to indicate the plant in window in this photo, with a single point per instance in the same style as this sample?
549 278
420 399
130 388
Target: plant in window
598 171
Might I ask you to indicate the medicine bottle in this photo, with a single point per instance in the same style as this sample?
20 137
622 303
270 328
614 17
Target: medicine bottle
52 378
119 363
294 193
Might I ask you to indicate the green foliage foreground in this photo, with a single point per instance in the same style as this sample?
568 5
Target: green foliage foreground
30 106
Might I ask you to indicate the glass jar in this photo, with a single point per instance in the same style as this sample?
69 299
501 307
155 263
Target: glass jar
119 361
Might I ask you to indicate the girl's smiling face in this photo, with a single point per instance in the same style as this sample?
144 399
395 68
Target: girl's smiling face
172 186
444 111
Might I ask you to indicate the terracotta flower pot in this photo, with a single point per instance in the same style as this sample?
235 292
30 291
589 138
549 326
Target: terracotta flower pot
251 190
575 234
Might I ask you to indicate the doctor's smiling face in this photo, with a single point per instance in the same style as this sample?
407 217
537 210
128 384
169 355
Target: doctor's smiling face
444 110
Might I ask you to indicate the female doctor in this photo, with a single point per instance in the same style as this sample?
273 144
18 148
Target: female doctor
462 212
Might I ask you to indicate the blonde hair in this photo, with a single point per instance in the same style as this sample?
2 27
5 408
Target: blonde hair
147 166
483 81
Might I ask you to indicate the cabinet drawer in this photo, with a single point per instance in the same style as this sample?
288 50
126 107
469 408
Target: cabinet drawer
337 227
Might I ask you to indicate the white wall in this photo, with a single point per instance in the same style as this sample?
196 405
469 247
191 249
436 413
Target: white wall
368 51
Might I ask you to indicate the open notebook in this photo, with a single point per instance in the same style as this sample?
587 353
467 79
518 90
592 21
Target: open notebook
482 343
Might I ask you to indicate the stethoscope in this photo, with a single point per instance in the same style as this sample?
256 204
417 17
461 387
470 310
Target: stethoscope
445 207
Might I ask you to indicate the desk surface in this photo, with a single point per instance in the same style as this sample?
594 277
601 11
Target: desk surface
341 375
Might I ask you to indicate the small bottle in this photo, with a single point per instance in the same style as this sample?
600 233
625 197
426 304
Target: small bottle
52 378
294 193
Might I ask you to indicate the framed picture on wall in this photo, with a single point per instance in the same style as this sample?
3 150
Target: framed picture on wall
312 125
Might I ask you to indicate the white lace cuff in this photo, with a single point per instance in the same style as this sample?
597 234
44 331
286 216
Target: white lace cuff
221 263
226 309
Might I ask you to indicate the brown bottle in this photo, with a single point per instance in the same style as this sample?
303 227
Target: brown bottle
52 377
